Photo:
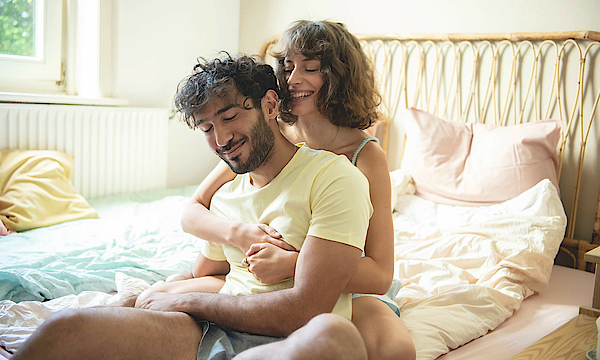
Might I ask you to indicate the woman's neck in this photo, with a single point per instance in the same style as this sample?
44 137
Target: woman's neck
319 133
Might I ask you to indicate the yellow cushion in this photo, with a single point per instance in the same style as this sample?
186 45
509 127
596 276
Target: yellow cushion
36 191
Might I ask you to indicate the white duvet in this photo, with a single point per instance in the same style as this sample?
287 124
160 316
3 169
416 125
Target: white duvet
467 269
464 269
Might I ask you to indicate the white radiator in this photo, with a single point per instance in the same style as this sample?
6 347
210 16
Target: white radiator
116 150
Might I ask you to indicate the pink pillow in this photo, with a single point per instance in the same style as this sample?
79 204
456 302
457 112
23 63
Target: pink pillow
474 164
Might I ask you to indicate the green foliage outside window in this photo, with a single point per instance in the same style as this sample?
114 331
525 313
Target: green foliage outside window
17 27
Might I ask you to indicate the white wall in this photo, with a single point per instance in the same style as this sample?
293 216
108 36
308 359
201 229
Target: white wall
155 45
262 19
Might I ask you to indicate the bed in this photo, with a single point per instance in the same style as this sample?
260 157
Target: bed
477 257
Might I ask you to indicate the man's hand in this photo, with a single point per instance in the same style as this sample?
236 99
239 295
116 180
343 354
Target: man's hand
270 263
244 235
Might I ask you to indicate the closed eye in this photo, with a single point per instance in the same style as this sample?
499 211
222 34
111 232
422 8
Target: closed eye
206 130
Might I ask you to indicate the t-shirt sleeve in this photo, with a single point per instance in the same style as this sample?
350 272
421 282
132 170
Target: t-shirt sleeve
341 205
213 251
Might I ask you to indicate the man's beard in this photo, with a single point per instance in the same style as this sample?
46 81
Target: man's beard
263 140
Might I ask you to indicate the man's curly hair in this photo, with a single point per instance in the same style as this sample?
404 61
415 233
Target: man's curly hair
349 95
215 79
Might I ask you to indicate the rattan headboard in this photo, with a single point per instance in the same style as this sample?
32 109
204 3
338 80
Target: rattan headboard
500 79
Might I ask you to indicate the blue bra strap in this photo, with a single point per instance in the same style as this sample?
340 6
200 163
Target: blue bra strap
361 146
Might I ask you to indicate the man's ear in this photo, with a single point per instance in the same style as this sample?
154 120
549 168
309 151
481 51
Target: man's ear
271 104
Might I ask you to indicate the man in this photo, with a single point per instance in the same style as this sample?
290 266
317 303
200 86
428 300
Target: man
235 102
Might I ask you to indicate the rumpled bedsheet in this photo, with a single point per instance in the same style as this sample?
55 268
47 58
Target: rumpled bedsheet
141 238
467 269
19 320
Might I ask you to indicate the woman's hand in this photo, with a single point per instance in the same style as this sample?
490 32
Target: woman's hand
270 263
4 230
244 235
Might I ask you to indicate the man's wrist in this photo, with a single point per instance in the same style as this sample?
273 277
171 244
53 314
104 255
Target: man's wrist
189 303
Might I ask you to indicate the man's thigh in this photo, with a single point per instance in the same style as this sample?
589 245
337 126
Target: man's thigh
114 333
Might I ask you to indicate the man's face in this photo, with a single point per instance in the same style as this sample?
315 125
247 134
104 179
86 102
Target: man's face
240 136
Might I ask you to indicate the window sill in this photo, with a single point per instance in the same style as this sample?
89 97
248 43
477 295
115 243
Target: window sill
8 97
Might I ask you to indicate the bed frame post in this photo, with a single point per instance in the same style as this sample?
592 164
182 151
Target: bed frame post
593 256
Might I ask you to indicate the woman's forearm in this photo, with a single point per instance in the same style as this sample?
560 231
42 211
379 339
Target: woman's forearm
197 220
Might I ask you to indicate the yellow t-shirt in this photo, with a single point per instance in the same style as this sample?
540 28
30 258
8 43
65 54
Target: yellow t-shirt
317 193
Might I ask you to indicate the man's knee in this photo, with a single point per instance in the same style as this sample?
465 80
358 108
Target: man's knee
75 324
65 323
390 346
337 334
330 324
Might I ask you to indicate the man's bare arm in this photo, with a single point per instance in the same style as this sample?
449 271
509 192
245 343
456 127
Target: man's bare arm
323 270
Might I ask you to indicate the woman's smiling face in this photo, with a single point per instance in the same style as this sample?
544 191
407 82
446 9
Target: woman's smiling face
304 80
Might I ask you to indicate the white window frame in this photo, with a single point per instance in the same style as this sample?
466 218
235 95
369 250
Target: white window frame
83 77
43 72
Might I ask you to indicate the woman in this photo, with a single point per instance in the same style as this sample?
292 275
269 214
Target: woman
329 100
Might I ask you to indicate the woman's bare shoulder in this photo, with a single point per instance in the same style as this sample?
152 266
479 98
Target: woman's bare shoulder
372 161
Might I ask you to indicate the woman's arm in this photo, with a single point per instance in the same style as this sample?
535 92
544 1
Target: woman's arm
197 220
375 270
4 230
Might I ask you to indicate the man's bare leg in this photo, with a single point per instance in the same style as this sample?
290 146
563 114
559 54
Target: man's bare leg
326 336
113 333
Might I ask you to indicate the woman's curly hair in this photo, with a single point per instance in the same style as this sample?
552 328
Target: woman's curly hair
216 78
349 96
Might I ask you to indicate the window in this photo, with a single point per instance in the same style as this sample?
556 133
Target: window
20 35
31 45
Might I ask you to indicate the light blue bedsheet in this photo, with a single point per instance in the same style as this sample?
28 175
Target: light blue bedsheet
139 235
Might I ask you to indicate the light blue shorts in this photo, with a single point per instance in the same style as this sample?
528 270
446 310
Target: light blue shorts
222 343
387 298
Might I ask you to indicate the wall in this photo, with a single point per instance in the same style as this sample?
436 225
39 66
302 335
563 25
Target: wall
155 45
262 19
